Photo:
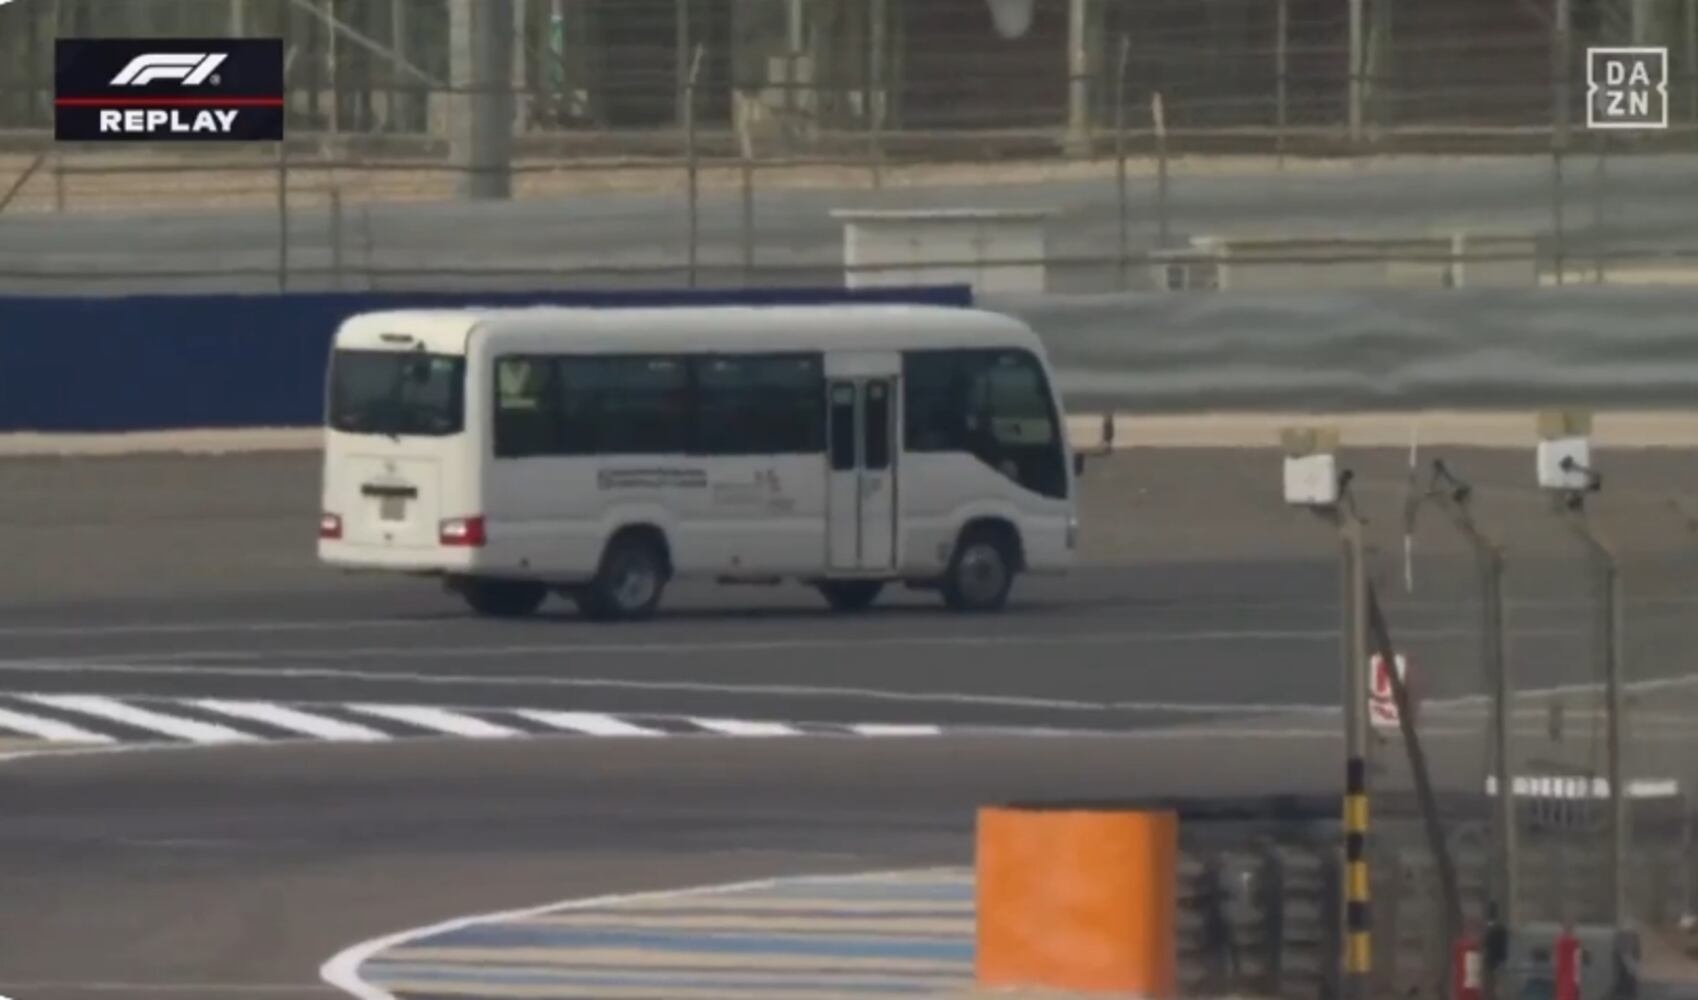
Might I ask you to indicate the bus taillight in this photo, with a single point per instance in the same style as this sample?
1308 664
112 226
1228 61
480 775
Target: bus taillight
330 526
466 532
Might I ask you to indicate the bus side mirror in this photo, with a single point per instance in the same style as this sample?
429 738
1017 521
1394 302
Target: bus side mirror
1078 464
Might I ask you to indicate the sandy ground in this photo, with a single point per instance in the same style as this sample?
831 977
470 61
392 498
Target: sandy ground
10 746
1509 429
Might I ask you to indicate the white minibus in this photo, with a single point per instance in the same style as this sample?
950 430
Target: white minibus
600 453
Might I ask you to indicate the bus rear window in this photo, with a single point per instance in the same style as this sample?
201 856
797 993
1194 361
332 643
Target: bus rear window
397 393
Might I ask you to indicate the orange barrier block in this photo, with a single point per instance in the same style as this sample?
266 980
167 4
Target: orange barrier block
1079 900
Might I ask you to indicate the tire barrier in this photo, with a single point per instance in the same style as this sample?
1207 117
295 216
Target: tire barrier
1257 888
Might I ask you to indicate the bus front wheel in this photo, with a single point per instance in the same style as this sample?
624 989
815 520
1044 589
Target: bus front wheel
982 572
503 598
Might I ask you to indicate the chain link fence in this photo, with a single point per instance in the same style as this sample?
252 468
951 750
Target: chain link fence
1556 634
708 142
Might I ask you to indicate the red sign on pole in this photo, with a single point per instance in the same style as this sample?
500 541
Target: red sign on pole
1382 704
1465 969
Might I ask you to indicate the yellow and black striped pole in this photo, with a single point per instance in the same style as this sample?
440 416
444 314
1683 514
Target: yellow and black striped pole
1358 943
1358 940
1311 480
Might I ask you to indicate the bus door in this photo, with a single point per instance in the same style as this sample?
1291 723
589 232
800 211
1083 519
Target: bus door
863 396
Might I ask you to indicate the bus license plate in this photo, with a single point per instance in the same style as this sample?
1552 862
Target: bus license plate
392 508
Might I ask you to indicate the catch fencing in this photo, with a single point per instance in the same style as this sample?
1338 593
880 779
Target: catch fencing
705 143
1560 636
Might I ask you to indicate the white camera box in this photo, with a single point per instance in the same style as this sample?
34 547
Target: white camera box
1311 467
1565 450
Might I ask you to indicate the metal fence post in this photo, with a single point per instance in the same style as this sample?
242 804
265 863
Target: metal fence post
1692 60
1606 577
283 216
691 167
1560 110
1079 82
747 143
1454 500
1158 115
1600 190
684 47
876 64
1120 151
1358 923
336 236
1366 631
1311 481
1607 580
1356 62
1282 34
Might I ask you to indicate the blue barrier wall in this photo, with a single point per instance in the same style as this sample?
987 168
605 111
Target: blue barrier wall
159 362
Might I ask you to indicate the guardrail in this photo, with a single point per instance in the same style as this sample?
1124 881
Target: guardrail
232 361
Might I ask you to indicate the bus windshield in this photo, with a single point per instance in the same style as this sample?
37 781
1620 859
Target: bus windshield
395 393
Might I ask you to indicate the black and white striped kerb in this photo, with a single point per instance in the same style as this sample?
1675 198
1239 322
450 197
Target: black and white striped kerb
94 720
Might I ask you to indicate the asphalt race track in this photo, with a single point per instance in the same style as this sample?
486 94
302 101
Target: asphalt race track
233 872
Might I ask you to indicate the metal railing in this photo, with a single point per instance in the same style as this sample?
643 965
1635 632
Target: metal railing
706 143
1565 665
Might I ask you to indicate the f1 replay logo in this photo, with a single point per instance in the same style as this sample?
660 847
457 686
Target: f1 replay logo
192 68
179 89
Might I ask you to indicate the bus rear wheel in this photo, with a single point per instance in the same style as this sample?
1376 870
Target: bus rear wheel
503 598
850 595
628 584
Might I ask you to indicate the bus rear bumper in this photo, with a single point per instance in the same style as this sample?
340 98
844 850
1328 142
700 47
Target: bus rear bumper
432 561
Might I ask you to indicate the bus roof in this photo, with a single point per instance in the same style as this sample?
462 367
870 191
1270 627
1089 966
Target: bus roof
727 328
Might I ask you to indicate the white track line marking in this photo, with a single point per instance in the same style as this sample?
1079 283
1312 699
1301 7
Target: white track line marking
1060 637
292 719
887 729
441 720
739 727
199 628
592 723
413 678
173 989
342 971
192 730
51 730
1135 603
543 681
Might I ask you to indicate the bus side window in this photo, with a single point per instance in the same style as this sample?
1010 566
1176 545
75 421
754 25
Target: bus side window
625 405
526 414
1019 411
878 425
842 426
934 411
758 404
994 405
